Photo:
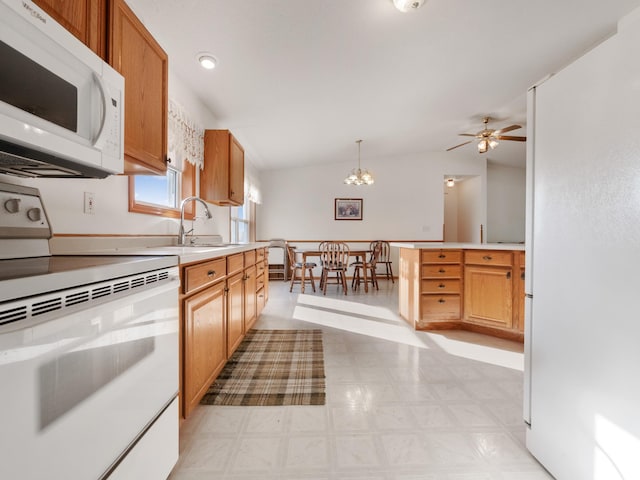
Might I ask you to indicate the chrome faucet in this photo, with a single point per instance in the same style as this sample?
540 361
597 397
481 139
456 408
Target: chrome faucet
182 235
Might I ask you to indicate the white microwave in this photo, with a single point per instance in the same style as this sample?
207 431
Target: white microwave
61 106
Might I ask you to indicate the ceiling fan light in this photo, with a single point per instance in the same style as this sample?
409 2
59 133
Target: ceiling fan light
483 146
408 5
450 182
493 143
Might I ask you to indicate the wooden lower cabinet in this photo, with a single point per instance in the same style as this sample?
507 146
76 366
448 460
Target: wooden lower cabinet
250 304
205 351
480 290
488 296
235 312
220 302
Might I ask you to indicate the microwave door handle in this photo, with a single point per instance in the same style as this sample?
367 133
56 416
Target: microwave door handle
98 141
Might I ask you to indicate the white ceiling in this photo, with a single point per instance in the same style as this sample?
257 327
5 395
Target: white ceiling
299 81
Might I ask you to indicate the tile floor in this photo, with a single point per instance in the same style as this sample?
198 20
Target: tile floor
401 405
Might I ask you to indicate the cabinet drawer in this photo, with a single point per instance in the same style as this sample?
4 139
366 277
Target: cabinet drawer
235 263
204 273
441 256
441 271
260 254
249 258
259 281
488 257
441 286
260 267
440 307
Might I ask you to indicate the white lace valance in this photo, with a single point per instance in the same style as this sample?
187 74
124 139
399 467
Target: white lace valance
185 138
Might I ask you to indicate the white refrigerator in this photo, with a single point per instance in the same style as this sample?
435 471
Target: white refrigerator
582 340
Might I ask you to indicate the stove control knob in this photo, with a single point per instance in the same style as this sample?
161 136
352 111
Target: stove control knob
34 214
12 205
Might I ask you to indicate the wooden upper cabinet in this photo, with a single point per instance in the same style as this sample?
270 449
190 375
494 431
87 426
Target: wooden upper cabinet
85 19
222 180
144 65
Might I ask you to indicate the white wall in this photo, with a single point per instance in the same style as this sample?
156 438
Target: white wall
405 203
505 204
471 209
451 214
64 198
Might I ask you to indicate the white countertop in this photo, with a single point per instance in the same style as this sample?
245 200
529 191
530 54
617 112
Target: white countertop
202 253
145 246
468 246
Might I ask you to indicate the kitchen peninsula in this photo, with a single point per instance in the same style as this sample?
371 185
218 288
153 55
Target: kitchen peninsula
478 287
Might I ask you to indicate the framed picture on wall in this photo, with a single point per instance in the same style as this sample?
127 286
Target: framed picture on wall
348 209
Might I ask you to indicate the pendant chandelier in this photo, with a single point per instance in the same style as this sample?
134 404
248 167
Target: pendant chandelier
357 175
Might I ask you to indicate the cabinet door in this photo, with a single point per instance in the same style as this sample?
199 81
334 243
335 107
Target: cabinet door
250 304
236 172
85 19
235 312
204 342
488 294
222 179
144 64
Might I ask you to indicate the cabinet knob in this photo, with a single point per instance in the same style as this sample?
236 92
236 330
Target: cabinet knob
487 257
442 285
442 255
508 275
211 273
442 300
168 160
522 276
442 270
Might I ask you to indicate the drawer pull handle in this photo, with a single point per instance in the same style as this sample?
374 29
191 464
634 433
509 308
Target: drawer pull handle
211 273
508 275
442 301
487 257
442 285
522 276
442 255
442 270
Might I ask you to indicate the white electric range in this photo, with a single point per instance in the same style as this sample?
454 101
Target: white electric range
88 355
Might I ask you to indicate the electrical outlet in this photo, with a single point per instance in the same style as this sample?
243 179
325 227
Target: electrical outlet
89 203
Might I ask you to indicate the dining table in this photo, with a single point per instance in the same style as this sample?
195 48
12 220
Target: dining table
315 253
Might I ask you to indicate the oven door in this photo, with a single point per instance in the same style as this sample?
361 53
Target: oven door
79 389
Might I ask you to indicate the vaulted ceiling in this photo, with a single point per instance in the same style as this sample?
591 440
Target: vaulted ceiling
299 81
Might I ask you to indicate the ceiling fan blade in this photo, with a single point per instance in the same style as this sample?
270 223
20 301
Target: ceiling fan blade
468 134
510 137
459 145
506 129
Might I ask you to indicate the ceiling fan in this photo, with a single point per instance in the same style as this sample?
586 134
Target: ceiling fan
488 137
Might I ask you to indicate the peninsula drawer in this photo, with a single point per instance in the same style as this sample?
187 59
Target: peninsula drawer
441 256
441 271
204 273
440 307
489 257
235 263
441 286
260 254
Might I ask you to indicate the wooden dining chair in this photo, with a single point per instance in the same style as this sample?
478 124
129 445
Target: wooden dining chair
296 268
384 258
334 257
368 264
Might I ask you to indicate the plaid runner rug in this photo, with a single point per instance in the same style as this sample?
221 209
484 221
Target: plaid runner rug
272 367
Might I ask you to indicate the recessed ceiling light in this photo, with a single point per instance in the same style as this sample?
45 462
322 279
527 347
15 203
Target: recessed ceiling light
207 61
408 5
